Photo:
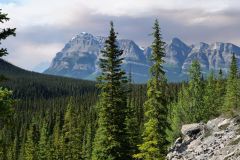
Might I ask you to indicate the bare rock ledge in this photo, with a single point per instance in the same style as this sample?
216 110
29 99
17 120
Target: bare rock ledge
219 139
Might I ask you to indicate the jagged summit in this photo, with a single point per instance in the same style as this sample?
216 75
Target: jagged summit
80 58
177 42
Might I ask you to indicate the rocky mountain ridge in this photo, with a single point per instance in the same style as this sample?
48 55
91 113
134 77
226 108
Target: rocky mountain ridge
80 57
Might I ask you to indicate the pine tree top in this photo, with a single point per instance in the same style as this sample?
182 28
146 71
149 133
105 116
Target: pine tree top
111 61
158 51
233 68
5 32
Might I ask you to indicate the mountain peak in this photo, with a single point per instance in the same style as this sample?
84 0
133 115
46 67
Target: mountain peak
80 58
83 35
179 47
176 40
199 46
178 43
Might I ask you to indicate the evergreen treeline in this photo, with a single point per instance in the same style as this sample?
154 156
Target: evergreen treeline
201 100
62 118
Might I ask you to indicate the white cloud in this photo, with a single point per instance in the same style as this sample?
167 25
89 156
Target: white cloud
44 12
30 54
149 7
65 12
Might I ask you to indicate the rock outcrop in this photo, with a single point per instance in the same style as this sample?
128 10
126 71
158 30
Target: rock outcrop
219 139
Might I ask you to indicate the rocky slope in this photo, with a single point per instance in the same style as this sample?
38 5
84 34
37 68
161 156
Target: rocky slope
80 57
219 139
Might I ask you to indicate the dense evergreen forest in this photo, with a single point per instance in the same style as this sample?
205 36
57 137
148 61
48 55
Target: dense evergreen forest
49 117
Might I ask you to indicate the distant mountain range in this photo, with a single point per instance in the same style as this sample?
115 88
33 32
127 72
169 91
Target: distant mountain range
80 57
41 67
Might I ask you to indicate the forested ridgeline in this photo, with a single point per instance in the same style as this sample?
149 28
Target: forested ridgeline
27 85
49 117
44 100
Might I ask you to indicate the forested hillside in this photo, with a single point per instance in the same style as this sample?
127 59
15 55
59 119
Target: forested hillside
42 98
28 84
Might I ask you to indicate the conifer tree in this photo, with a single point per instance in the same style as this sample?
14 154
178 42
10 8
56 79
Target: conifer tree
220 90
154 134
178 114
11 153
132 125
210 98
4 33
71 134
5 95
232 98
196 92
21 151
6 103
43 146
110 141
87 145
29 146
57 142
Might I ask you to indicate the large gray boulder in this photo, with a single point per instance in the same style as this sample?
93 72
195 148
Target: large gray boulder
219 139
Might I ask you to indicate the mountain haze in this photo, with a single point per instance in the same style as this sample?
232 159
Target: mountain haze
80 56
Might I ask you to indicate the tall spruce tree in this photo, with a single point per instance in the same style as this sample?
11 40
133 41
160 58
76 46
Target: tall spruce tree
110 141
5 105
232 98
196 92
4 33
132 124
56 150
220 90
210 98
43 145
29 146
71 134
154 134
179 114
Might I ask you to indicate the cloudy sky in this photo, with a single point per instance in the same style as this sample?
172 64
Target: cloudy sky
44 26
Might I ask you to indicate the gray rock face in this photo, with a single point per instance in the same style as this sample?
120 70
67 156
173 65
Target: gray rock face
80 58
219 139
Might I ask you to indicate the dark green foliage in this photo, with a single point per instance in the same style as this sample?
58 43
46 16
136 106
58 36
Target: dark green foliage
5 95
71 134
132 122
40 85
232 98
51 110
211 101
196 106
154 143
220 91
56 151
110 142
43 152
189 107
5 32
178 114
29 146
5 104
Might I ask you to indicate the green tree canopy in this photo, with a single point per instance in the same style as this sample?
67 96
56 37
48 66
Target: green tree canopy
5 32
110 141
232 98
154 142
